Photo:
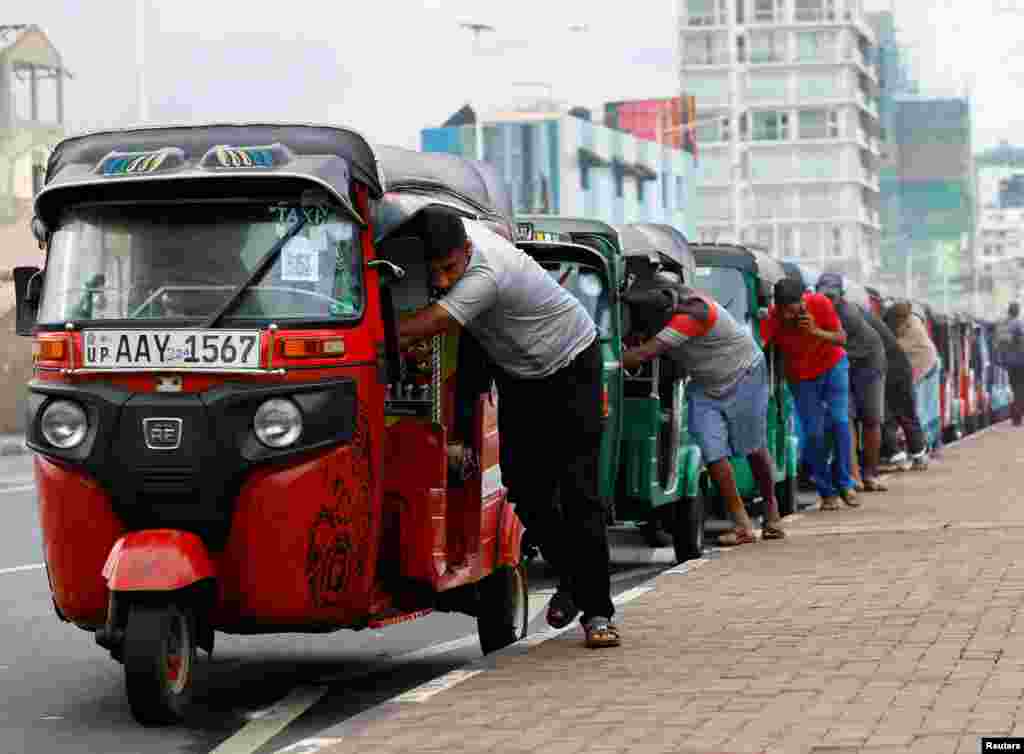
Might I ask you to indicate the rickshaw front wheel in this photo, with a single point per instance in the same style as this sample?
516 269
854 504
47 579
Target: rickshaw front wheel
786 495
159 658
503 611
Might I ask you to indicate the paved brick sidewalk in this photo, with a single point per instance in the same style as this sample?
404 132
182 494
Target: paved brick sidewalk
893 628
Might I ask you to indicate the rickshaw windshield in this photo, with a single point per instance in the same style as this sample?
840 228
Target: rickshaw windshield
588 286
182 262
729 289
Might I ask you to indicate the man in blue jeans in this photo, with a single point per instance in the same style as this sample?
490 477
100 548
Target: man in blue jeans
807 331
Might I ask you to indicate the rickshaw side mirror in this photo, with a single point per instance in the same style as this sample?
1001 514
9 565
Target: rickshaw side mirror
28 286
40 232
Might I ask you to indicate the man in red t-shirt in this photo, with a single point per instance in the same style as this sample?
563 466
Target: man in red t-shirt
807 331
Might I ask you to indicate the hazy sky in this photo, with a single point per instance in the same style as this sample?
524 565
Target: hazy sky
394 66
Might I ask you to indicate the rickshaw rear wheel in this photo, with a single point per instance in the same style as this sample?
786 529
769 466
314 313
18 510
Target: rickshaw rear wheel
688 528
504 609
786 494
159 654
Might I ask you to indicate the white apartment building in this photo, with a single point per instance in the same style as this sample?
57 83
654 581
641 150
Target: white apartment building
788 127
1000 235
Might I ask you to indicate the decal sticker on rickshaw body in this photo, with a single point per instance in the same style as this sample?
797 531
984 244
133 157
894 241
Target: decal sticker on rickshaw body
524 232
491 481
140 163
226 156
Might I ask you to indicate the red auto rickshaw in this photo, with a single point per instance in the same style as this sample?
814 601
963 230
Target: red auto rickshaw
226 435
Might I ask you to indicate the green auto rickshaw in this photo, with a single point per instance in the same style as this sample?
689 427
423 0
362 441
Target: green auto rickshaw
649 466
743 281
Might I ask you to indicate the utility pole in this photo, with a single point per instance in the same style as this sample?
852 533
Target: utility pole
140 59
478 29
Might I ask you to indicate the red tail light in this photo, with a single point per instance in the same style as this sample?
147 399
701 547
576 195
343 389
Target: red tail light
604 402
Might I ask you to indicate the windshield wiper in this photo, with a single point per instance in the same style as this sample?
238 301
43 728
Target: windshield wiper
261 269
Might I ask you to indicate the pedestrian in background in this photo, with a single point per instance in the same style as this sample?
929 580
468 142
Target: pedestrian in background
900 406
912 335
807 331
1010 354
867 382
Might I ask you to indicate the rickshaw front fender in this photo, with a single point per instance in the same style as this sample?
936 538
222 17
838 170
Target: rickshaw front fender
510 536
690 461
157 560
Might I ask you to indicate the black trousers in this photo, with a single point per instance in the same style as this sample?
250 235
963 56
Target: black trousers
901 410
1017 385
550 446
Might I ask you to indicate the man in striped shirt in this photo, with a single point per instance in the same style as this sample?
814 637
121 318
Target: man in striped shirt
727 400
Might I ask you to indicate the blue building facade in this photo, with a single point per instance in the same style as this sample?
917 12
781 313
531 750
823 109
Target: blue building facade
560 164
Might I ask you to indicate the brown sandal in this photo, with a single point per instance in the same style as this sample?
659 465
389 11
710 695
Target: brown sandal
736 537
601 633
772 532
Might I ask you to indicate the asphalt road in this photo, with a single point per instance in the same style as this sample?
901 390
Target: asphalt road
257 695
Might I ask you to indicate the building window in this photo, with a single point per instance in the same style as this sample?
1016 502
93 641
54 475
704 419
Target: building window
765 238
815 45
818 124
814 11
767 11
640 190
38 178
585 177
785 241
619 181
767 47
706 12
837 241
770 126
680 193
705 48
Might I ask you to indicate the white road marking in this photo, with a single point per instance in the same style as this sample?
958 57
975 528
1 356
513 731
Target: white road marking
431 688
21 568
309 746
21 488
265 724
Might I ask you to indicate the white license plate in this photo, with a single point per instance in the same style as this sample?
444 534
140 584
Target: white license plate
172 349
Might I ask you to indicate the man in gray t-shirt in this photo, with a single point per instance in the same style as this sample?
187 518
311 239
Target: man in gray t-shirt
547 364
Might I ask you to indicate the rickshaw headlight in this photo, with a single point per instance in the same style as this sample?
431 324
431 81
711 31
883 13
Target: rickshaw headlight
278 423
64 424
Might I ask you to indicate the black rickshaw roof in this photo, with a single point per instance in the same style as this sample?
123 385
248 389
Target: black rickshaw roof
329 156
767 269
656 240
569 226
415 180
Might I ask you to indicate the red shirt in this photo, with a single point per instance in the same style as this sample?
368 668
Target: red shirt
806 356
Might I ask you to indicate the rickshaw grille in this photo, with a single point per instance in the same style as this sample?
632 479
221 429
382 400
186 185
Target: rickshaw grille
168 480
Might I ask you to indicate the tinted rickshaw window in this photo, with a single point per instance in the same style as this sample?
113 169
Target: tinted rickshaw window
174 262
729 288
588 286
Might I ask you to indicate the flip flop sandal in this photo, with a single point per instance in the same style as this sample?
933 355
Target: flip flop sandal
601 633
561 610
829 504
736 537
772 532
873 485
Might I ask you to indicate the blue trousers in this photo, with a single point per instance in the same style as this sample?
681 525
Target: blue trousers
823 404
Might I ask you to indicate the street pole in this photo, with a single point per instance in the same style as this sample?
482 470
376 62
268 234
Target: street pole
477 30
140 59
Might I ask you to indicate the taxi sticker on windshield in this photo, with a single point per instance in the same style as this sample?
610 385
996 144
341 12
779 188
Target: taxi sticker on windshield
300 261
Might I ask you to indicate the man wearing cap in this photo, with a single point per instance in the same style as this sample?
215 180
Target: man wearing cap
727 400
807 331
547 365
868 364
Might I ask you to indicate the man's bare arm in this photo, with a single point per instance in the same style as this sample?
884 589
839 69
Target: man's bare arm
645 352
433 320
